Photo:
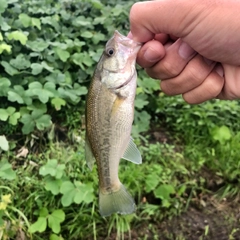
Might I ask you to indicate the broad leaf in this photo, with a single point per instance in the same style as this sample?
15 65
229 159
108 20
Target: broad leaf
58 103
25 19
36 68
3 6
20 62
4 143
164 191
53 185
62 54
9 69
39 226
53 168
3 114
17 35
5 47
36 22
55 219
6 171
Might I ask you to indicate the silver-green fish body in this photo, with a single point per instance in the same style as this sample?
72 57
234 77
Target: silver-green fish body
109 117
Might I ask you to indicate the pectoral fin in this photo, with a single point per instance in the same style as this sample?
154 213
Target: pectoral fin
89 154
132 154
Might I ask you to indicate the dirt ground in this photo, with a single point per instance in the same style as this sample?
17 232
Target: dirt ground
217 220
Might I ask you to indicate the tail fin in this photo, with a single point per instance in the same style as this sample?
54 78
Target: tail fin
116 202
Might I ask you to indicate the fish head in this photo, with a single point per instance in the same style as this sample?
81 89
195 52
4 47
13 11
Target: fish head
117 64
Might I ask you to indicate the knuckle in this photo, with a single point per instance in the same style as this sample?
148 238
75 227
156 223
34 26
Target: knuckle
214 86
195 75
169 69
133 15
166 87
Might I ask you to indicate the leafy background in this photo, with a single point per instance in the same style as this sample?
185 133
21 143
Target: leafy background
48 52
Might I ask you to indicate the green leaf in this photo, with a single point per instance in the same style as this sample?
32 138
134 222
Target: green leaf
4 86
6 47
82 59
55 219
68 190
25 19
77 192
13 119
20 62
47 67
17 35
39 226
152 180
84 193
140 102
38 45
53 185
97 37
6 171
42 92
3 114
52 168
62 54
43 122
9 69
28 123
164 191
81 21
58 103
55 237
10 110
36 68
97 4
43 212
4 143
4 26
86 34
36 22
18 94
3 6
221 134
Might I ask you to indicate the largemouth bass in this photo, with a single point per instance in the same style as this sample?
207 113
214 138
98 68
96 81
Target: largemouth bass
109 117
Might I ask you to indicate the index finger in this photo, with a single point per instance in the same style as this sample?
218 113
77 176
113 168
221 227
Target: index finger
162 16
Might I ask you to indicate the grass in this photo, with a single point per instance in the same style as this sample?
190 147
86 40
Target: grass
177 173
32 189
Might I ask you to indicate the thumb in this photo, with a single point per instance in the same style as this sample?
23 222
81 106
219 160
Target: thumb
164 16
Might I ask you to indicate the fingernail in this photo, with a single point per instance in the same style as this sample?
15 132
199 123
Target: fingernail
151 56
219 70
185 51
207 61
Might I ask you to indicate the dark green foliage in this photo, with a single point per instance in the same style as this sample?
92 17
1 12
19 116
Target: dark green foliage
48 53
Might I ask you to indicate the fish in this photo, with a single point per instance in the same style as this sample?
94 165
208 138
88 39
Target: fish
109 118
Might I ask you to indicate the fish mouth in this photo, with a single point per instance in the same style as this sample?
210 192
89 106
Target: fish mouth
126 40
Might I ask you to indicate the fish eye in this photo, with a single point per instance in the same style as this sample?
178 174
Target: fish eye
110 52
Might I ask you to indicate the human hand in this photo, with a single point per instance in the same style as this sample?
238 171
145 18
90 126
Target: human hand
202 62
